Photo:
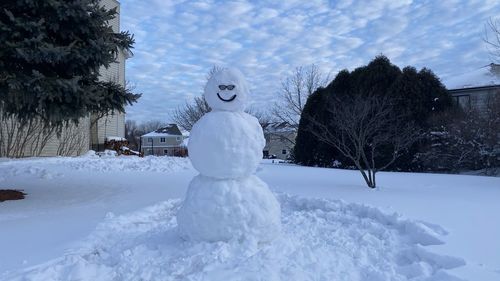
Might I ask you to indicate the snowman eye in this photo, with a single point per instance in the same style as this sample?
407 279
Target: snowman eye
229 87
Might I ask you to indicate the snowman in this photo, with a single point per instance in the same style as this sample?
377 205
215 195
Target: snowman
226 201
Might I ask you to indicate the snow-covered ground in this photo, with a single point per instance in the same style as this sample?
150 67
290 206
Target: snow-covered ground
114 218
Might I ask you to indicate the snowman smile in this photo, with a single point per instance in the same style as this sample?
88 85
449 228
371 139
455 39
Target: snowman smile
226 100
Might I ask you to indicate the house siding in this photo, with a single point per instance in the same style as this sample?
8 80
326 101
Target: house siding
475 98
156 147
72 141
113 124
278 142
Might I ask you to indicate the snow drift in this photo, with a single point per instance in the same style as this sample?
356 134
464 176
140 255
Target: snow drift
321 240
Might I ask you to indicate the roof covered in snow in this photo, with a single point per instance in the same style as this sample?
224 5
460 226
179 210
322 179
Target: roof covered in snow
170 130
114 138
488 75
275 127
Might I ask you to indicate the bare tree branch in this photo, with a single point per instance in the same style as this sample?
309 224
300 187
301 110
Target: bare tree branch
359 127
294 92
492 37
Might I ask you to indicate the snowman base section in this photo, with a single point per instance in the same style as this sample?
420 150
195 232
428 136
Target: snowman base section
228 209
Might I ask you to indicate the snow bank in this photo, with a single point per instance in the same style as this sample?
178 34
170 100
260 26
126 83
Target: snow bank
42 167
321 240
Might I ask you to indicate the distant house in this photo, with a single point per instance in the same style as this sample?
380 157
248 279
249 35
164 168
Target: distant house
280 139
472 89
164 141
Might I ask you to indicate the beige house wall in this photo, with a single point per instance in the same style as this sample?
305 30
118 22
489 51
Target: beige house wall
113 124
73 141
33 140
279 142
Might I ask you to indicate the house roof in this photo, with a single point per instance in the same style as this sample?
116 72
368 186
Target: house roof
277 127
170 130
114 138
485 76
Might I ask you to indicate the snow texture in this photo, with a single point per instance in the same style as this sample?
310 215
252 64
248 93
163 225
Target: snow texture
92 162
219 99
114 138
226 144
221 210
321 240
227 202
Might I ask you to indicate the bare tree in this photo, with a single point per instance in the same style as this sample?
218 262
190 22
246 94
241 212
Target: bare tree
191 112
359 127
18 139
132 134
185 116
294 92
151 125
492 37
72 140
465 139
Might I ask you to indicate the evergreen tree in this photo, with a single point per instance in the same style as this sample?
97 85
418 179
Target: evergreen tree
416 97
50 55
308 150
420 95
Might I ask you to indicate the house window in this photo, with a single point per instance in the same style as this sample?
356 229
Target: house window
283 151
178 138
462 100
162 139
165 151
150 139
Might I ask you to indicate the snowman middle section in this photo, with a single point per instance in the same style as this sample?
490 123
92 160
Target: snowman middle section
227 201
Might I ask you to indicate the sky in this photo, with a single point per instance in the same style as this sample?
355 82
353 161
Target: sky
178 42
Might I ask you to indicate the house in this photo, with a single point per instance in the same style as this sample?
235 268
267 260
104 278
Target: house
473 89
91 131
280 139
165 141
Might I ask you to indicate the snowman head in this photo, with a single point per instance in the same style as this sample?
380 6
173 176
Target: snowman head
227 90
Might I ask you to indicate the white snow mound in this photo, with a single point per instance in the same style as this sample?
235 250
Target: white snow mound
221 210
321 240
46 168
225 144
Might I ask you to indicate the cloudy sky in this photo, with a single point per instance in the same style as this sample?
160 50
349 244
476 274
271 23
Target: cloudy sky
177 42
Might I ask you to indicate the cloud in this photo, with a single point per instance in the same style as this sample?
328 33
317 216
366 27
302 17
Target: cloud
177 42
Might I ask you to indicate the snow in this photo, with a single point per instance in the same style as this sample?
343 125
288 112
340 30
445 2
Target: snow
229 209
219 99
113 138
228 151
95 218
227 202
185 142
156 134
481 77
323 240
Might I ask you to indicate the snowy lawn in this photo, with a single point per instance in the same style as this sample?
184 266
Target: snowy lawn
92 218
